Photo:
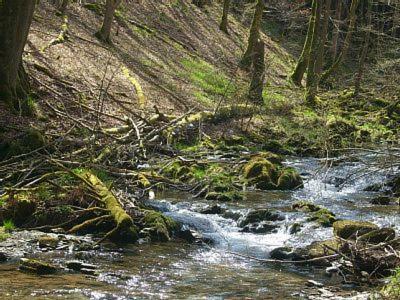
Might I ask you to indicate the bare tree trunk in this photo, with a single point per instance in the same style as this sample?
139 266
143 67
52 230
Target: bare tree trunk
320 60
224 22
364 52
246 61
105 32
15 21
258 76
336 29
301 67
346 43
312 79
396 19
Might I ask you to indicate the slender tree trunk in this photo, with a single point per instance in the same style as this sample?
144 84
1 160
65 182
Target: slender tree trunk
320 60
364 52
396 19
258 76
246 61
336 29
312 78
301 67
15 21
346 43
105 32
224 21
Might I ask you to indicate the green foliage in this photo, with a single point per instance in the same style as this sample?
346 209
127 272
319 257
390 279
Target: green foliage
392 289
8 225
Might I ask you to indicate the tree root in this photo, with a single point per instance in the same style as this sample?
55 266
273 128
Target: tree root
88 223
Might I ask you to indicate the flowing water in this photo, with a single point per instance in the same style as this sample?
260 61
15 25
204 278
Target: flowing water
178 270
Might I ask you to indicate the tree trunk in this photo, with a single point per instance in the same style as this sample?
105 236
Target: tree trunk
105 32
396 19
15 21
224 22
320 60
258 76
364 52
312 78
298 73
246 61
346 43
336 30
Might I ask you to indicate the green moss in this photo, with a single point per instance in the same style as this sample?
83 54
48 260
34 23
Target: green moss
37 267
392 289
350 229
4 234
289 179
157 226
324 217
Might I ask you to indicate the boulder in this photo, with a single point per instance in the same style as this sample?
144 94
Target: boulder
157 227
317 249
282 253
289 179
324 217
351 229
260 215
213 210
48 241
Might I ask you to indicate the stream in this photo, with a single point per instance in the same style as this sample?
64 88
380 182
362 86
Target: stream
177 270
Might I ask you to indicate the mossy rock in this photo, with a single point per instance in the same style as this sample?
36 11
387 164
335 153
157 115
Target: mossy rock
261 173
260 215
318 214
48 241
289 179
305 206
378 236
224 196
318 249
36 266
157 226
347 229
323 216
340 126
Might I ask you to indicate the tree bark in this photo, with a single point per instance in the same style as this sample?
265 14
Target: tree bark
104 34
15 21
312 78
364 52
336 29
320 60
258 76
346 43
224 22
301 67
246 61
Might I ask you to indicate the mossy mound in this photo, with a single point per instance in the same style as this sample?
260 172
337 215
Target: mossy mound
265 172
157 227
305 206
234 140
18 208
261 173
347 229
